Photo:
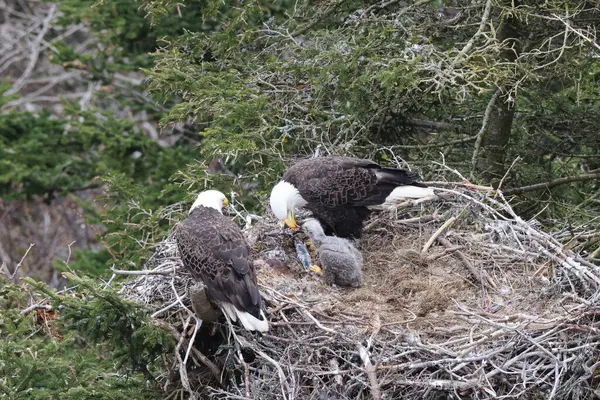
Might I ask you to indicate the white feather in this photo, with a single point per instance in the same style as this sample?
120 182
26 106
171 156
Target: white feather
209 198
285 197
408 191
248 321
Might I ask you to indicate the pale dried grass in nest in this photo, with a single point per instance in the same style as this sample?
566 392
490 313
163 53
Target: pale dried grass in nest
461 298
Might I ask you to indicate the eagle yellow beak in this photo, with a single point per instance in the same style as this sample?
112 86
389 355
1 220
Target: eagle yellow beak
225 202
290 220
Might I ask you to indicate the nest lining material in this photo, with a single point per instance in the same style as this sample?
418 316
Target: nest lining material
460 298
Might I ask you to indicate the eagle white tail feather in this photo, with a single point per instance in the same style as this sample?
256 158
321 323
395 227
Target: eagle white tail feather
409 191
249 321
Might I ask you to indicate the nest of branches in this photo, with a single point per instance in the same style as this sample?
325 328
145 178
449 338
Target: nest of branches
461 298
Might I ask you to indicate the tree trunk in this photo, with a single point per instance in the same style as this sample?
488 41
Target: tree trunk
490 161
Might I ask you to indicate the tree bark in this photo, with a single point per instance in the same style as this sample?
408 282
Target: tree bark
491 157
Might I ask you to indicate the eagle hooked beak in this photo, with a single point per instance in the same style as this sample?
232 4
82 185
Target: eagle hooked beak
290 220
225 202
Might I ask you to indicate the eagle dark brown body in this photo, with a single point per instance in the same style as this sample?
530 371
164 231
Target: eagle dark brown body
214 250
338 190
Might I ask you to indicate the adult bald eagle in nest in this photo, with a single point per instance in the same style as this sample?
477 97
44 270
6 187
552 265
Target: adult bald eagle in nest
339 190
214 250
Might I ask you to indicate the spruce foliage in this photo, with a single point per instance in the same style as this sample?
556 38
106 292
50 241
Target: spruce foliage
44 357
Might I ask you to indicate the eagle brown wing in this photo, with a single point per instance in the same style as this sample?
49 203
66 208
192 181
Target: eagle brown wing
213 249
345 181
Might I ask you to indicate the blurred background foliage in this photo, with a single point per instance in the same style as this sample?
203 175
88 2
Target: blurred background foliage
132 107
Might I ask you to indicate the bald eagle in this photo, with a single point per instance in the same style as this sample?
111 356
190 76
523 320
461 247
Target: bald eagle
214 250
339 190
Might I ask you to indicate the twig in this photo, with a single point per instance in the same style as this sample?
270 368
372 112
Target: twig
371 372
280 372
516 160
335 370
182 369
143 272
467 185
480 277
471 42
192 339
439 231
316 321
167 308
552 183
454 171
35 307
12 277
35 52
402 11
591 41
179 337
484 124
318 19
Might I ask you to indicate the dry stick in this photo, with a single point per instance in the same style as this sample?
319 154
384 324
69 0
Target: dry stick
595 254
552 183
371 372
282 377
479 203
412 203
209 364
35 307
434 145
237 343
192 339
390 2
444 253
316 321
484 124
144 272
591 41
454 171
319 18
213 368
471 42
182 370
516 160
192 315
376 328
35 53
12 277
439 384
517 329
303 309
440 230
483 277
466 185
167 308
335 369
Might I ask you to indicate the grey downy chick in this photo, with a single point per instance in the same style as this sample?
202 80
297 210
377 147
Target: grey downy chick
340 260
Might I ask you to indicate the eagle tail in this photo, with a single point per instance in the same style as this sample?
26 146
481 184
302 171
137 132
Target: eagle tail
249 321
405 182
409 191
396 176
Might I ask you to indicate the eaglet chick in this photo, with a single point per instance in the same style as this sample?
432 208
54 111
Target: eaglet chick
340 260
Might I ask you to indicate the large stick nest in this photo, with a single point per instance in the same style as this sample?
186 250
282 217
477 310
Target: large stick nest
461 298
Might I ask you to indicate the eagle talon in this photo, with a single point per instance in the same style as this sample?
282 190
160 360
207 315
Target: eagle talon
316 269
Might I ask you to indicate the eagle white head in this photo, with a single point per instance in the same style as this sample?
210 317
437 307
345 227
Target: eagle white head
211 198
284 199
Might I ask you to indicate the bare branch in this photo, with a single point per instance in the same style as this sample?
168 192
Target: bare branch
35 51
552 183
484 124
